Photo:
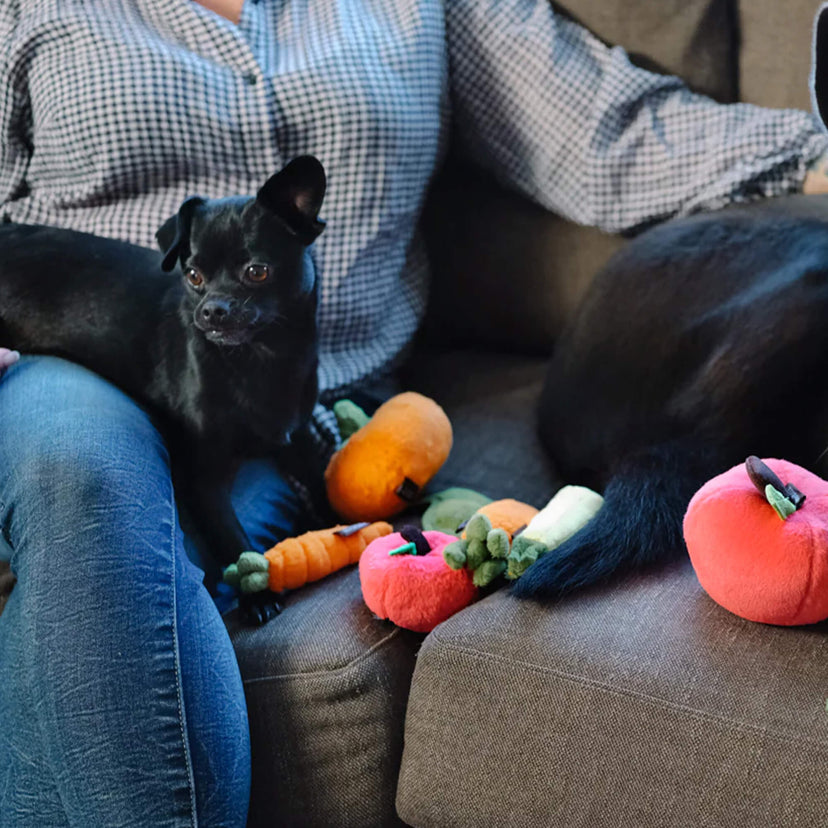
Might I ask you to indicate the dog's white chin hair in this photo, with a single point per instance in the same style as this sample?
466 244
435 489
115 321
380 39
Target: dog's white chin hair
230 338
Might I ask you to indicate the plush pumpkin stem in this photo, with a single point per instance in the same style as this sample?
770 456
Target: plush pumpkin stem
764 477
408 491
413 535
349 417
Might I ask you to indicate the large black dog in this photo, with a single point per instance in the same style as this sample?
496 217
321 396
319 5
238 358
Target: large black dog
702 342
216 334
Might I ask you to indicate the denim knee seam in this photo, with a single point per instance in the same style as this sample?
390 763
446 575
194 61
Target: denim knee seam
182 713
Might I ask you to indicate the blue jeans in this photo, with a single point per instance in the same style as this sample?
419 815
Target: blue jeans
121 701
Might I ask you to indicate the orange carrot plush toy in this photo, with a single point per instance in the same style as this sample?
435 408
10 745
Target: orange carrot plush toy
298 561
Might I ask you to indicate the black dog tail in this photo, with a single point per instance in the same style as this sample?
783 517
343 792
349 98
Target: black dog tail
639 524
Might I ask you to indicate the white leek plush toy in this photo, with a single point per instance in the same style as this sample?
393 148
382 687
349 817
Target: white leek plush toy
567 512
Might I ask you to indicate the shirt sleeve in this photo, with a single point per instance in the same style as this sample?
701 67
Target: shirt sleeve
554 113
15 110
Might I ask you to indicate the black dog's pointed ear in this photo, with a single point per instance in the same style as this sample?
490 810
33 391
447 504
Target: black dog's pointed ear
819 65
173 235
295 195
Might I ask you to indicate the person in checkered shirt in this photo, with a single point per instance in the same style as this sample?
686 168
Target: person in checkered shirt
112 112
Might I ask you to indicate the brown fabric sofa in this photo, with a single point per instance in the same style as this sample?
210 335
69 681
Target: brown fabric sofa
638 704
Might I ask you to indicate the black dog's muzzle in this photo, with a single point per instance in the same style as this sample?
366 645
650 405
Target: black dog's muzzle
225 320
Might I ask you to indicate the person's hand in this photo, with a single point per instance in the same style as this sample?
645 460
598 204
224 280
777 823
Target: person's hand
7 358
816 179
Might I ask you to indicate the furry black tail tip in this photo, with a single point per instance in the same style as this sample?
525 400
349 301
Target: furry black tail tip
559 573
638 525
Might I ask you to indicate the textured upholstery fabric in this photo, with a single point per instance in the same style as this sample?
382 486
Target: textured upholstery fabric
491 401
695 39
775 53
326 686
643 704
506 273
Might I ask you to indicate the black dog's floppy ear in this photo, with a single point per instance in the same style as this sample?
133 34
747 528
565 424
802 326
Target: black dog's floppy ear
295 195
174 234
819 65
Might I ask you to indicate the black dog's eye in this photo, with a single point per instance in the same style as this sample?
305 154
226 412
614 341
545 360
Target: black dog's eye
257 272
193 277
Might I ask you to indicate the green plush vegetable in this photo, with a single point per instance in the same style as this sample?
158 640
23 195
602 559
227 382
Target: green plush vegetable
451 508
349 417
483 550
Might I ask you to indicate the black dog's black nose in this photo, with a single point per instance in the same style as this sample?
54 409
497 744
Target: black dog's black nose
214 312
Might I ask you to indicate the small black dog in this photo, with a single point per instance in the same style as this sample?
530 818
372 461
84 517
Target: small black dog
223 349
704 341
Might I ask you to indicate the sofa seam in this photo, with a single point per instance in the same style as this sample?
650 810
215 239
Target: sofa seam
315 674
653 701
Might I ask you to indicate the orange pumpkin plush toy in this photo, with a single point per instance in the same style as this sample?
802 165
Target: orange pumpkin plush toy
386 463
758 539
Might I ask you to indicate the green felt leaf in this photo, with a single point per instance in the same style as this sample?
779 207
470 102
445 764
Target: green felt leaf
231 576
478 528
455 554
252 562
254 582
447 515
349 417
522 556
487 572
457 493
783 507
497 542
476 553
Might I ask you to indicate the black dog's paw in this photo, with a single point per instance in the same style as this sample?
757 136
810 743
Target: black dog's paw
258 608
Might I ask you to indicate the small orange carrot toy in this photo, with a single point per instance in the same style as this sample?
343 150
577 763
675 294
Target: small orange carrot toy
297 561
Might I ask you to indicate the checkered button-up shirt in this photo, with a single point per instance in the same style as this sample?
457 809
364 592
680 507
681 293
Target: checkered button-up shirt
113 111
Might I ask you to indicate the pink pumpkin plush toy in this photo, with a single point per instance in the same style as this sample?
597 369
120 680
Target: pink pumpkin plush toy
406 580
758 539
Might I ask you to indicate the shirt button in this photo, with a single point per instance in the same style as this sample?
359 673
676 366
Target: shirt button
251 78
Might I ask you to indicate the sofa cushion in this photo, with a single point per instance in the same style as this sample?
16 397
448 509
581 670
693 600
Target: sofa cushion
775 52
326 686
506 273
694 39
643 703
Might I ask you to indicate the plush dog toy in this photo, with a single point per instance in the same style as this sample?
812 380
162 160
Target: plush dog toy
295 562
758 540
386 461
405 579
